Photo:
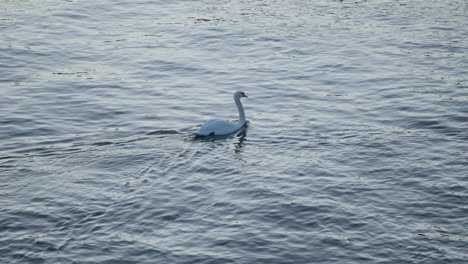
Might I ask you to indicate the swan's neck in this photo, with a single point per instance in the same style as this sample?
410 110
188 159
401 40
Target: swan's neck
241 109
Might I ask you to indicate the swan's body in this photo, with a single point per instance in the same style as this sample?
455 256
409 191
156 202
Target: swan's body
219 127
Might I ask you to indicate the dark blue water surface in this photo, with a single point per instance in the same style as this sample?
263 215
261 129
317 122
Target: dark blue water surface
356 150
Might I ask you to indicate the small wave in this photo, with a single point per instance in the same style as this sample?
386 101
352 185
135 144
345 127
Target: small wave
102 143
163 132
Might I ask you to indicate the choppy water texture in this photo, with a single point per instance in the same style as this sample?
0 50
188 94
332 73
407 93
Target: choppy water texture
356 150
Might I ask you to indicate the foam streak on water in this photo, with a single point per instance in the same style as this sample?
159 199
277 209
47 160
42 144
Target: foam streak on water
356 150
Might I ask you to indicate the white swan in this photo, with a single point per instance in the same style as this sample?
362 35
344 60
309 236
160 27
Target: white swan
219 127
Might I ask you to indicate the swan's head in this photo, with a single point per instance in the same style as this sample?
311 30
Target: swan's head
239 94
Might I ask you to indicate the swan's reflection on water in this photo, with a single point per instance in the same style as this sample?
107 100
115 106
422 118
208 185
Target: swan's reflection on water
242 136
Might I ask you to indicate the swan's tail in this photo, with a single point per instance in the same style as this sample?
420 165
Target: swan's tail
200 133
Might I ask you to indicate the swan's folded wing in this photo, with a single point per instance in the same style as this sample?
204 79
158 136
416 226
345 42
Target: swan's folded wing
217 127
